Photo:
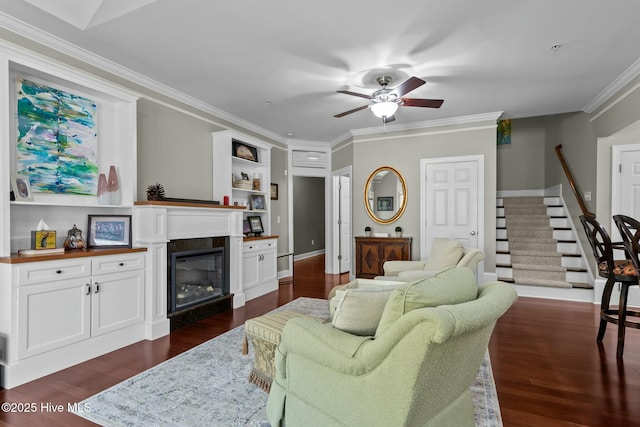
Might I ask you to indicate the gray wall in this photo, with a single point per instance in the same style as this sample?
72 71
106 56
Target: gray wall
308 214
404 152
617 122
521 164
175 150
342 156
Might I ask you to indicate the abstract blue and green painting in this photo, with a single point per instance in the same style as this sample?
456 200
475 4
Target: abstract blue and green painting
57 139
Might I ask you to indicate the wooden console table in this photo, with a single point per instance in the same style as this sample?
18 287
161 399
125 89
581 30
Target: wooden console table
372 252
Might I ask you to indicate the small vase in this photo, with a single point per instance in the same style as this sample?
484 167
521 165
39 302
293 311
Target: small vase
103 195
113 187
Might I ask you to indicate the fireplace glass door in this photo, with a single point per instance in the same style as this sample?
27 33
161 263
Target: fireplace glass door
196 276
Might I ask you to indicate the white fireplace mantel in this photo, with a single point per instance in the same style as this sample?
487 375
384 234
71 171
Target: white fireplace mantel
155 223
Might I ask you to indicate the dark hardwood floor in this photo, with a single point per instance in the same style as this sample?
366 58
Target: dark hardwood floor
548 369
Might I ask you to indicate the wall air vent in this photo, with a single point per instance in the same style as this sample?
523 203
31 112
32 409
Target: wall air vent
309 159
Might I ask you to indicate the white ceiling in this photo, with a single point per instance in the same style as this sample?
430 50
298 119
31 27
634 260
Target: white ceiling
277 65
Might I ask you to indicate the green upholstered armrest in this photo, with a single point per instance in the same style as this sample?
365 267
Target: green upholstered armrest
471 258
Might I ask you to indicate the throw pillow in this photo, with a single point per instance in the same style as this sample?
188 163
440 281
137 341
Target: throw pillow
358 310
445 253
338 292
452 286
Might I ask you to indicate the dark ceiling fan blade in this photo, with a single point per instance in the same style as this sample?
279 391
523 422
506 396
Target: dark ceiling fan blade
407 86
361 95
414 102
352 111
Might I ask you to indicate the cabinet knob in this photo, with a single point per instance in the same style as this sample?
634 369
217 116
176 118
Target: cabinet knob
58 271
88 289
97 288
121 264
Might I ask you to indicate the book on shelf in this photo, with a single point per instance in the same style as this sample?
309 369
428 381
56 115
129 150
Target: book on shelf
41 251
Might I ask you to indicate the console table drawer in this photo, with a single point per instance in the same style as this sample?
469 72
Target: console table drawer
39 272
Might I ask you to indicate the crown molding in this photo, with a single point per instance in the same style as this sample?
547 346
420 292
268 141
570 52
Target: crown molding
614 87
451 121
32 33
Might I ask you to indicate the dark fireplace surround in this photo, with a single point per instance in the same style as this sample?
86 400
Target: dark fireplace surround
197 279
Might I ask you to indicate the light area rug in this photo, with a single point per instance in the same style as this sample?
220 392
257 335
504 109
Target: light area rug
207 386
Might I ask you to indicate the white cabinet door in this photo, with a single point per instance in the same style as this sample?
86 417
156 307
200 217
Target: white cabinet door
52 315
268 261
117 301
250 265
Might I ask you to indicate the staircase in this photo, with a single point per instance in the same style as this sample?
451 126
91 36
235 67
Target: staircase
537 249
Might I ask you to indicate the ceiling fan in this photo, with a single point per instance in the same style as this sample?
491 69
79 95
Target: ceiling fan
386 101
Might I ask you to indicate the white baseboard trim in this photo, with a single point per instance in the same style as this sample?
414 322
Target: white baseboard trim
298 257
284 273
566 294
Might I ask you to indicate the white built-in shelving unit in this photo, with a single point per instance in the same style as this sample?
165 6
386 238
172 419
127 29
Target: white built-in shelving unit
116 146
61 309
259 259
228 169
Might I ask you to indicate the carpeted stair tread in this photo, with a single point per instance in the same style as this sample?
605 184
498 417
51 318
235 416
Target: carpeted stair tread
530 228
527 222
534 267
525 210
548 283
530 239
543 261
534 246
530 234
517 200
536 253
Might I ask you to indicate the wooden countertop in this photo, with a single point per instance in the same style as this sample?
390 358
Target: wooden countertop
74 253
253 238
185 204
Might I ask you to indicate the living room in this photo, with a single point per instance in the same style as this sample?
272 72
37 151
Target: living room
173 147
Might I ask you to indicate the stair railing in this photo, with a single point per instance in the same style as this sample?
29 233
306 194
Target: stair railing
572 182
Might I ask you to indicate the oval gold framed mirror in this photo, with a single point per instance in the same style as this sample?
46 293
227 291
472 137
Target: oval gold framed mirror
385 195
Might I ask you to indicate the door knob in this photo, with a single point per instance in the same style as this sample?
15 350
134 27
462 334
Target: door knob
473 233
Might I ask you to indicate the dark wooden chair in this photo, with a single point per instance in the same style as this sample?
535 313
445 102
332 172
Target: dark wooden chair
630 231
615 271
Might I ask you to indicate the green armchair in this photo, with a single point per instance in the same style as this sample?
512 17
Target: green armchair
416 372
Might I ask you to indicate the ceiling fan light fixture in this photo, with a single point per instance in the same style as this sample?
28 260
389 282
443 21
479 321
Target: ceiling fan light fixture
384 109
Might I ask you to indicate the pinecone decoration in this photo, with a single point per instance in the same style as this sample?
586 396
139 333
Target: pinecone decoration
155 192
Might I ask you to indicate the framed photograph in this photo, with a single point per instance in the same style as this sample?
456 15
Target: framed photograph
244 151
385 203
246 227
109 231
257 202
274 191
255 223
21 188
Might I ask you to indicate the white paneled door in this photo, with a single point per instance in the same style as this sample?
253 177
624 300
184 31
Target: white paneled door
630 184
450 200
345 224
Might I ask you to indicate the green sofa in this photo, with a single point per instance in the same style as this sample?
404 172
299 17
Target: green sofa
416 370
